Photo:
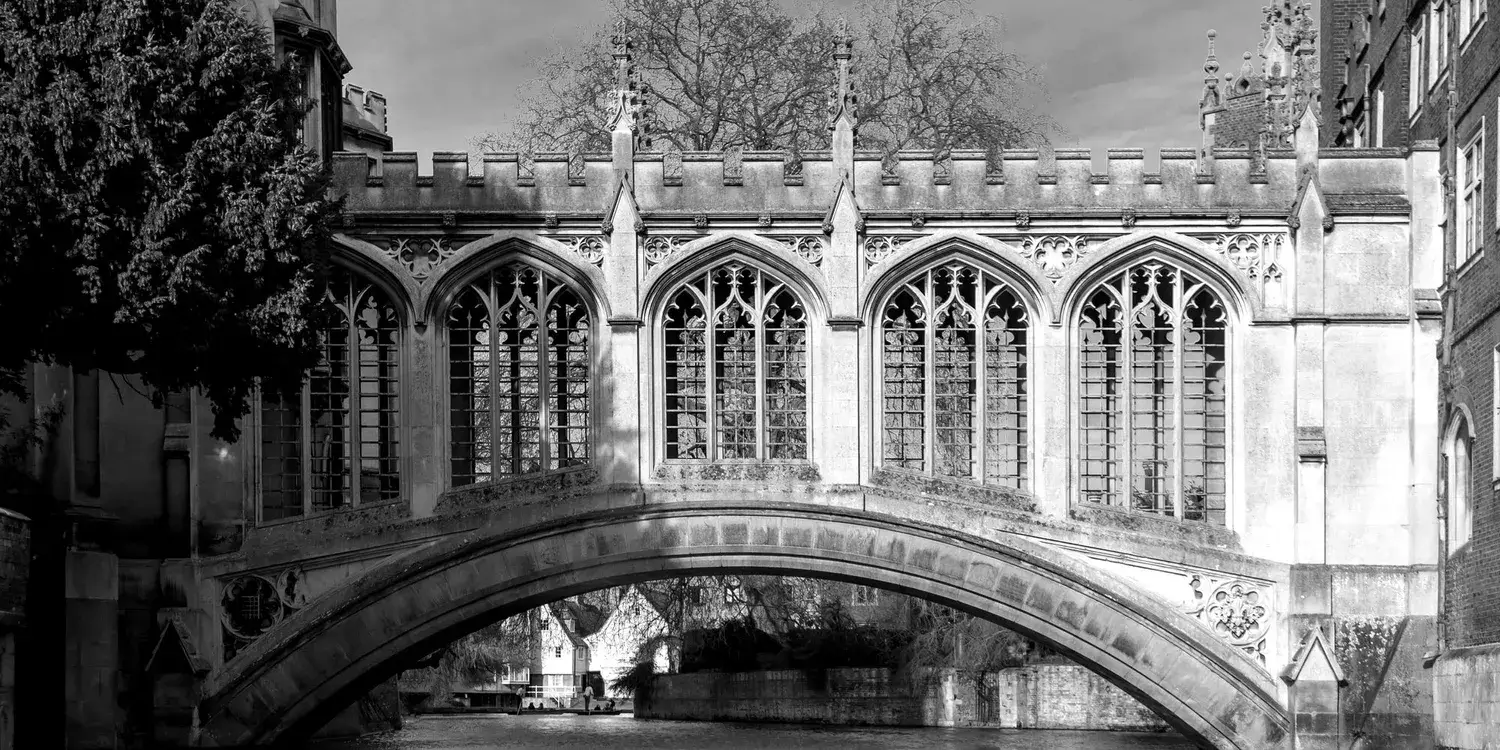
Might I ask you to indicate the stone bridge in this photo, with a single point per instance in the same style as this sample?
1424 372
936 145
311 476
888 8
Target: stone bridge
1001 564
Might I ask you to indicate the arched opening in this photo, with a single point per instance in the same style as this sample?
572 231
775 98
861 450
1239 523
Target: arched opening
519 355
338 444
1151 406
1457 454
310 665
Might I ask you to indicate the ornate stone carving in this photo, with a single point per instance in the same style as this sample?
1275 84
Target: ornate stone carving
1023 220
883 246
589 247
450 220
252 604
1127 218
1233 219
1054 254
1237 611
700 221
763 221
1249 252
807 247
418 255
659 248
550 221
1328 223
918 219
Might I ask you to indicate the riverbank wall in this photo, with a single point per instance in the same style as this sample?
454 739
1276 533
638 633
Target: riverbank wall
1031 697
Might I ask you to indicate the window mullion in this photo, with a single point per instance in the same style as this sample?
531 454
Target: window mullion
1127 391
929 373
762 451
354 434
710 370
981 407
494 378
1178 474
304 408
544 375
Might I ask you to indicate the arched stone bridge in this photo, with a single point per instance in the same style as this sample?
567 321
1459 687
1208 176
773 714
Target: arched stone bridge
982 559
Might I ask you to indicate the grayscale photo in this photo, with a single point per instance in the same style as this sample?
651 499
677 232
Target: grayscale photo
750 374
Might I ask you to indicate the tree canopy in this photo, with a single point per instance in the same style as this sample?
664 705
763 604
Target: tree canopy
930 74
163 218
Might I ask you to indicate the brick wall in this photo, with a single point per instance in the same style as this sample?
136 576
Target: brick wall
1039 697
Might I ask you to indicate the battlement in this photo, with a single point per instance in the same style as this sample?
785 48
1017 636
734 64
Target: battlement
771 181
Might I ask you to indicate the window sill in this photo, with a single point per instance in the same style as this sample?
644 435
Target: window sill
739 471
1468 264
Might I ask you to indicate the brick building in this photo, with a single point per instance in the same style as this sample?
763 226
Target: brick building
1400 72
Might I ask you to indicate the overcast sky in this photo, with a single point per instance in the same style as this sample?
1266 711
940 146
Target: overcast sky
1120 73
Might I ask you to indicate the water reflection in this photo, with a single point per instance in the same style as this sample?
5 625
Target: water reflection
491 731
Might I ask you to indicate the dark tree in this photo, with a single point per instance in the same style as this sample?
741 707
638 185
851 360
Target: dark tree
930 74
162 217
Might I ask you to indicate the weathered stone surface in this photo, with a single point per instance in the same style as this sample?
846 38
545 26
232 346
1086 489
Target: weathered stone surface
289 681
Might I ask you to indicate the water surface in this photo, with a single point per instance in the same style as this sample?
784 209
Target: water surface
489 731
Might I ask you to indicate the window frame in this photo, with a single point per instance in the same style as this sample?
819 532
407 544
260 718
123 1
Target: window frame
1376 93
1459 478
258 424
597 358
977 476
1471 17
1233 441
669 288
1470 183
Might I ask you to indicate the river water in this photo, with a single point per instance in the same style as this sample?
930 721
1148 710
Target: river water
489 731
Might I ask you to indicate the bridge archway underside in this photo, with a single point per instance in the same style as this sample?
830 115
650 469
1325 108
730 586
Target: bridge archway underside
292 679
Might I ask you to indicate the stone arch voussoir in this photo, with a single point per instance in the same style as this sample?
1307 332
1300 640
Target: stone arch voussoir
295 676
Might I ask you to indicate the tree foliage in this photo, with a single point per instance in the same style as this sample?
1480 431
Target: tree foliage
162 217
930 74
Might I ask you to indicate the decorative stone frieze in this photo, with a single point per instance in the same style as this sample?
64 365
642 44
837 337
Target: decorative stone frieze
590 247
1251 252
658 248
418 255
807 247
881 246
1054 254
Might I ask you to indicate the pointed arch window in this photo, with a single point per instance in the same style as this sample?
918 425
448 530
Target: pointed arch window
735 368
1152 394
1460 483
519 356
338 445
954 374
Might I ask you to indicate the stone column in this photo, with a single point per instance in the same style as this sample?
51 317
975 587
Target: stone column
1051 412
91 592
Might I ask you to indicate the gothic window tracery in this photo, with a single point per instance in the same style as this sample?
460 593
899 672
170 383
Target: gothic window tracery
1152 394
338 445
519 354
954 373
735 367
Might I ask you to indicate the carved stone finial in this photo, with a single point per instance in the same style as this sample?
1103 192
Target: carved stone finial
842 100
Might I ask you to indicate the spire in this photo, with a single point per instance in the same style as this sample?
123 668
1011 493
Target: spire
631 106
1210 101
843 100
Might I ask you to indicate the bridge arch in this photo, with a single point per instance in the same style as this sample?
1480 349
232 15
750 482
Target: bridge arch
297 675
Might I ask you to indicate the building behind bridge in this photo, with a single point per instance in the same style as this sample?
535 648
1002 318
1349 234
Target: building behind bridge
1251 382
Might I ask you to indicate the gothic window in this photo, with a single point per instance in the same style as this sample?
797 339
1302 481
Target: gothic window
954 367
1152 395
518 376
735 364
338 444
1460 484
